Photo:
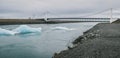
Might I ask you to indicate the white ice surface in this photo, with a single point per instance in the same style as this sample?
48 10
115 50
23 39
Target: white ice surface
62 28
6 32
26 29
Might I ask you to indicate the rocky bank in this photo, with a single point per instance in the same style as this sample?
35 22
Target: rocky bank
102 41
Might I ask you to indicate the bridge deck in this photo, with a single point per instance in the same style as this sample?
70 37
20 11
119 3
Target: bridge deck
78 19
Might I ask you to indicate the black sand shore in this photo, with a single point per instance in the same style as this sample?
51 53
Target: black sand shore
102 41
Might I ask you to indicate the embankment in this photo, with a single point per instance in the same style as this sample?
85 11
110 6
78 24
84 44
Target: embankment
20 21
38 21
32 21
102 41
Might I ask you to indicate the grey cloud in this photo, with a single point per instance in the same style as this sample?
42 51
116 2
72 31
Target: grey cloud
26 8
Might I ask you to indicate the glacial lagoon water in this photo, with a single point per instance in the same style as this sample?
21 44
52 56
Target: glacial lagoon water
52 38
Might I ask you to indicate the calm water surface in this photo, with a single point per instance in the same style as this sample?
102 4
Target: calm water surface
40 45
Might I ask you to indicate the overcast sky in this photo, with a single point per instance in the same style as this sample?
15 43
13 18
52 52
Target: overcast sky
38 8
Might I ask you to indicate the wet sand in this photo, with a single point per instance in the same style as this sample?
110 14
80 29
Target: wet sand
102 41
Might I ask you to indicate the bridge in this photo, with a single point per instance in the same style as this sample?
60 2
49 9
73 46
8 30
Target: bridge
108 15
102 16
80 19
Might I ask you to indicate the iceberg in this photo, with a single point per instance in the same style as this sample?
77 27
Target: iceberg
62 28
6 32
23 29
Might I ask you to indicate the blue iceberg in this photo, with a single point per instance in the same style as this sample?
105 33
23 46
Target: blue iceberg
6 32
23 29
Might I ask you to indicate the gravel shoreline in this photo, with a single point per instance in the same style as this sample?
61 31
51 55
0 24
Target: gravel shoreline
102 41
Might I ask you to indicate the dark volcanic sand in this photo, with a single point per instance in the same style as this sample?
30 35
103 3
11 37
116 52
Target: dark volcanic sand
102 41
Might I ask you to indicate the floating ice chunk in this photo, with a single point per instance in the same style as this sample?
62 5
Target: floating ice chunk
22 29
6 32
62 28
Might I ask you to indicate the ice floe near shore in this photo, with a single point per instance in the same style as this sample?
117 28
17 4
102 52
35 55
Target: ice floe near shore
6 32
62 28
22 29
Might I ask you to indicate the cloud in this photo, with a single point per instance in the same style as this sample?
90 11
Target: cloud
27 8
